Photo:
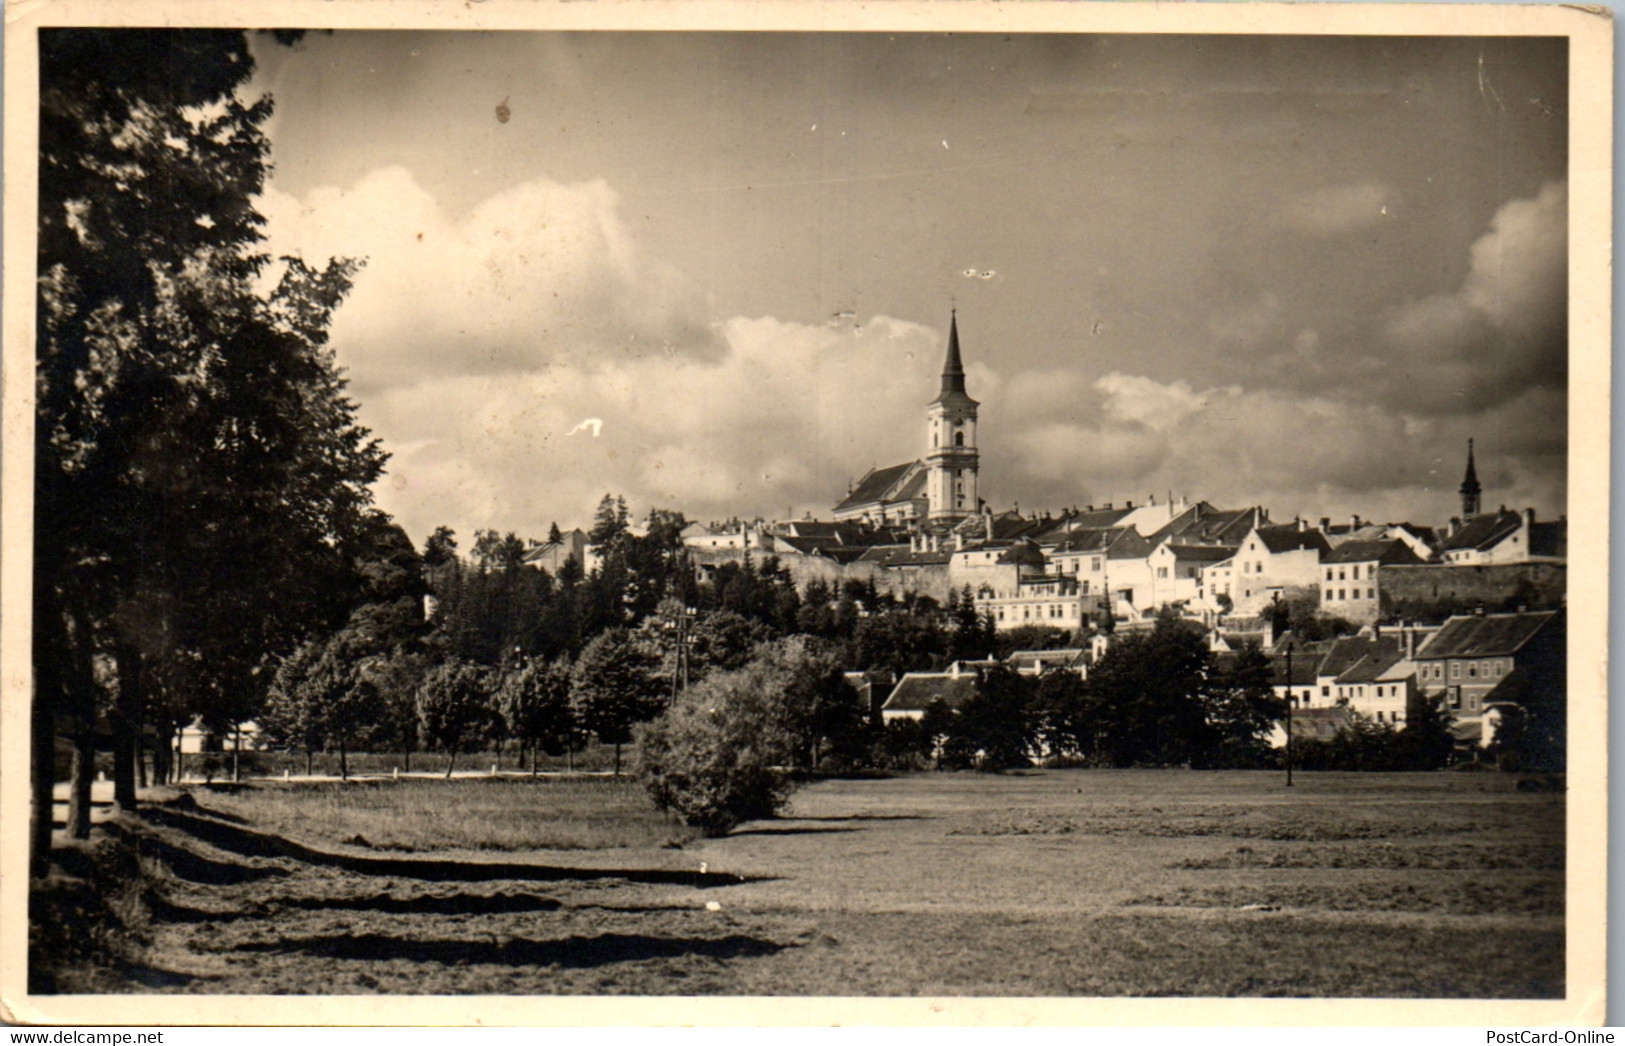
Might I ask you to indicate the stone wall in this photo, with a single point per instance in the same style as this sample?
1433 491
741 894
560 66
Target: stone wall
930 581
1537 585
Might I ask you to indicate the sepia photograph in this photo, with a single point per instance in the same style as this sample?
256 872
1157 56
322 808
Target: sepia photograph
904 504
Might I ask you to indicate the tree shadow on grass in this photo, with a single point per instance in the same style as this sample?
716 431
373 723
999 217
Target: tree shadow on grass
451 904
567 952
774 829
869 817
194 868
252 843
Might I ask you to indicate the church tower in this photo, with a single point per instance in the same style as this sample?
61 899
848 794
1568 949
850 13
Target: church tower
1470 490
951 459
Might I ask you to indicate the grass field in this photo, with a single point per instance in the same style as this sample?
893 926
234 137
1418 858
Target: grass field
1070 882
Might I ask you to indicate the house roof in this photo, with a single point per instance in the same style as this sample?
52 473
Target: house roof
1383 656
1023 553
877 486
1288 538
1201 523
1202 553
1319 722
1038 658
916 690
1484 532
1485 635
1389 550
1346 652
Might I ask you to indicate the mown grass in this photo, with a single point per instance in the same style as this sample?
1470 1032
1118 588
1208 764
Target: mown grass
422 815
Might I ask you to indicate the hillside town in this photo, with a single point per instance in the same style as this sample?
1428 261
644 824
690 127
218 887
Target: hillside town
1471 609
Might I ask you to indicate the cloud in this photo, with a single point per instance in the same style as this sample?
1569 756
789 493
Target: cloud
1335 209
1295 454
1504 330
539 273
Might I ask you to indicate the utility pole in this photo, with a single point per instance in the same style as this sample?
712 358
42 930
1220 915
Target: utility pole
1290 700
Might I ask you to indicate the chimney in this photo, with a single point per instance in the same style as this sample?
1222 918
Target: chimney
1354 522
1455 525
1325 524
1301 523
1108 506
1529 519
1128 504
987 521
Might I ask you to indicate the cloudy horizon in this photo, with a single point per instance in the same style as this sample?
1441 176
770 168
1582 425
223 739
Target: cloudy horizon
713 272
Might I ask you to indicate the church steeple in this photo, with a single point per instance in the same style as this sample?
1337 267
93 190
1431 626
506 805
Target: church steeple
952 461
1470 490
953 393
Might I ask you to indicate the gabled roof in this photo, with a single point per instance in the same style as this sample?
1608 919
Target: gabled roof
1288 538
1484 532
1374 665
916 690
1485 635
1201 523
892 483
1320 722
1390 550
1348 651
903 556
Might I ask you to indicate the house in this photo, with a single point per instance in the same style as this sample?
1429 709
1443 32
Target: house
1349 586
1474 658
551 556
1041 662
916 691
1381 685
1504 536
1274 561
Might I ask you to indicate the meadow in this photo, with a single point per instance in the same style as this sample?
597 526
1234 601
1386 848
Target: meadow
1047 882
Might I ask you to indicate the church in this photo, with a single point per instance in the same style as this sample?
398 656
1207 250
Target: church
941 485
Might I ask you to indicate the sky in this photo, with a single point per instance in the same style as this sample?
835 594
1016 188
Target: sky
713 272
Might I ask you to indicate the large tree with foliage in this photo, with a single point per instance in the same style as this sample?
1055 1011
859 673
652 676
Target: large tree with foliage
198 468
1242 711
1147 693
616 686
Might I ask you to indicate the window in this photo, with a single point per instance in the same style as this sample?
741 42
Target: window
1455 670
1085 588
1162 572
1356 571
1371 593
1342 575
959 439
1325 691
1329 574
1472 670
1342 594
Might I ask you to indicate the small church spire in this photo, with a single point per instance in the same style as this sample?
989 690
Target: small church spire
953 369
1470 489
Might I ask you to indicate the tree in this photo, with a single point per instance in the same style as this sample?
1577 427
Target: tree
821 713
615 686
197 464
534 701
1242 711
994 728
1061 711
454 707
1147 697
713 757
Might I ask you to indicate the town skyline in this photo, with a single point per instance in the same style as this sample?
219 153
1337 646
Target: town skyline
1296 272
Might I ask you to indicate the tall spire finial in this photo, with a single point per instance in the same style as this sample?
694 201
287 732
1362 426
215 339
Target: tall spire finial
1470 488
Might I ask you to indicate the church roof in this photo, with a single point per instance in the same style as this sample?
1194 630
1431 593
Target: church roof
877 486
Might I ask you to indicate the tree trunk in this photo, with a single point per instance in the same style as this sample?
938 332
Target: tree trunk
140 763
42 726
344 763
126 722
451 761
309 757
84 771
617 759
237 754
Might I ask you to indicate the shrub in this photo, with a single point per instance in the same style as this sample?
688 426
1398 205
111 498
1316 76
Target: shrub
715 757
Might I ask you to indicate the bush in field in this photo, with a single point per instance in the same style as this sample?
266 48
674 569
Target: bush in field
715 756
995 728
454 707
